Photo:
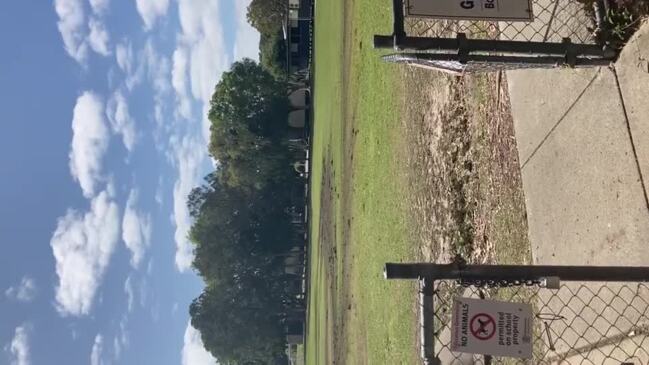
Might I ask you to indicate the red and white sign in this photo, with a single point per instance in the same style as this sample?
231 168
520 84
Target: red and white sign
491 328
483 326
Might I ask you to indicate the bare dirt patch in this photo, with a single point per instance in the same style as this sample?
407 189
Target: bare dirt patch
466 185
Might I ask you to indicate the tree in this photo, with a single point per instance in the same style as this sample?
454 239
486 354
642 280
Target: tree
237 326
272 54
249 97
248 113
242 230
267 16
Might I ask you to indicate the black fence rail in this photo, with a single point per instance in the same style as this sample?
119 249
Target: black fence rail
562 33
582 315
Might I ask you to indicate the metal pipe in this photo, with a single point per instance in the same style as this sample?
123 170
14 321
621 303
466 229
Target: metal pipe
515 272
397 10
506 59
487 45
383 41
426 319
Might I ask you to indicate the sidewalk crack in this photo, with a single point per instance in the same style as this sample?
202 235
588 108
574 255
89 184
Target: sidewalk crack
538 147
628 129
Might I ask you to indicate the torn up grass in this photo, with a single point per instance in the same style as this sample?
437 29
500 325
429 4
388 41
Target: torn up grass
465 170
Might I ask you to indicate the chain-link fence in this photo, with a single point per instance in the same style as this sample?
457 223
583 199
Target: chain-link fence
595 323
579 318
562 33
553 21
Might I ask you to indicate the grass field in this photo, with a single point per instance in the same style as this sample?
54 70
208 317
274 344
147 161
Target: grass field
359 220
406 165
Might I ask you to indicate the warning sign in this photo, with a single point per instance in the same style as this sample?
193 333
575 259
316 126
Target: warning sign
492 328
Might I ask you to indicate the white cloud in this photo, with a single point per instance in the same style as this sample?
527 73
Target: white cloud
151 10
121 340
149 267
99 7
98 38
136 230
130 294
123 332
117 348
89 142
158 192
82 246
23 292
179 71
19 347
97 350
179 83
158 70
246 41
194 352
189 155
120 119
77 34
202 40
144 290
124 56
71 25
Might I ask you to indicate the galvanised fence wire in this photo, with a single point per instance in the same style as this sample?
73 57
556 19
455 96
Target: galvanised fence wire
595 323
562 33
553 21
580 317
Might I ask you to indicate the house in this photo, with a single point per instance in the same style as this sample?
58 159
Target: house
297 34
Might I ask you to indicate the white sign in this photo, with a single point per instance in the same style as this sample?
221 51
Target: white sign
494 328
513 10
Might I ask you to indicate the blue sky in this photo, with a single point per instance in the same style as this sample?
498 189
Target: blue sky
102 106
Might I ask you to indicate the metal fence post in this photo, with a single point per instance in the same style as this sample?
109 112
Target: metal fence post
457 271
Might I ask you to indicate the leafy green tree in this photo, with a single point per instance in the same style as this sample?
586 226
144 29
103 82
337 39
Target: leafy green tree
272 54
248 97
248 114
267 16
242 230
237 326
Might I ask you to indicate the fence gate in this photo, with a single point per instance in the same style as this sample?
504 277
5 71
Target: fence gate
556 33
580 315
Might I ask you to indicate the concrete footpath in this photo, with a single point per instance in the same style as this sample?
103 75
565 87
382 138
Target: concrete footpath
583 141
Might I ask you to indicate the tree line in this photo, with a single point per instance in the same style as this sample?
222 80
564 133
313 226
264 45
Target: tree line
242 223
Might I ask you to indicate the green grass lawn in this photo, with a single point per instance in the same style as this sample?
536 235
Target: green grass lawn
327 122
376 183
357 154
